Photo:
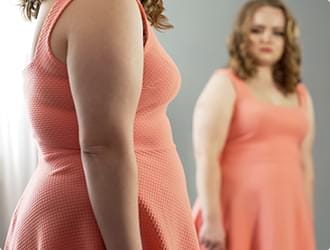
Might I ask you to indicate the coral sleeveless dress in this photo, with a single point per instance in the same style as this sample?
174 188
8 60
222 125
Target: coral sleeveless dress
262 193
54 211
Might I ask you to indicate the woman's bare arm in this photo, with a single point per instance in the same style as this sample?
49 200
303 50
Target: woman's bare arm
307 153
211 122
105 66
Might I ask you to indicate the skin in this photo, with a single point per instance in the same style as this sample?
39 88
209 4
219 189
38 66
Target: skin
106 96
213 113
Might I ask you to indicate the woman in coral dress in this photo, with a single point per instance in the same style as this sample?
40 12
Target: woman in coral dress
109 176
253 137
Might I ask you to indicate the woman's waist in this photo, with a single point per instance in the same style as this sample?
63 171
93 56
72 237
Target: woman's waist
261 173
153 133
56 158
260 154
259 161
157 169
146 137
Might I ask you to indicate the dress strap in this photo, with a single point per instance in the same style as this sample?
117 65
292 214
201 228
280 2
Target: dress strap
302 94
146 25
43 50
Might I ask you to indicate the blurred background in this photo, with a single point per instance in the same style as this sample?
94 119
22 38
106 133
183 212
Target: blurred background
198 45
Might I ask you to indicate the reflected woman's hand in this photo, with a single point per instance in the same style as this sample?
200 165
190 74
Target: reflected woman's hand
212 236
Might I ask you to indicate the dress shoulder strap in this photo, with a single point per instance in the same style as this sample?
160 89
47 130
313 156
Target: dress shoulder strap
146 24
303 94
43 50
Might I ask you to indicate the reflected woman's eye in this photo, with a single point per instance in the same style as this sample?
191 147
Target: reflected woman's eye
255 31
279 33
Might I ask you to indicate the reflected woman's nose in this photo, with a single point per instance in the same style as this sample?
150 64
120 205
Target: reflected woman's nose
266 36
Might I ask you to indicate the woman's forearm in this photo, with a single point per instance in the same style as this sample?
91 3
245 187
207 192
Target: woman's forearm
209 189
113 191
308 174
309 189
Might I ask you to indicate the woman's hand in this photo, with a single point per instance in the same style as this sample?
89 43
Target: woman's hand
212 236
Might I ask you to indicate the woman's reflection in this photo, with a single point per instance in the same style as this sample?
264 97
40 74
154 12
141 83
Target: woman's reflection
253 137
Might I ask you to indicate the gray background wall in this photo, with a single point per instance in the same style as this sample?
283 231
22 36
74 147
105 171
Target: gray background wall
198 45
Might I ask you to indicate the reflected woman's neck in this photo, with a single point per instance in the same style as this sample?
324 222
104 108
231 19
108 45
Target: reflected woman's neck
265 75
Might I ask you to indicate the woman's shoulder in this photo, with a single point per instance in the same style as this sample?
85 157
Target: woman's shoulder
221 75
301 86
303 90
229 78
223 72
220 84
228 74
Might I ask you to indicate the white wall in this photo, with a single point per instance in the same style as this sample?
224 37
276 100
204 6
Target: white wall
17 151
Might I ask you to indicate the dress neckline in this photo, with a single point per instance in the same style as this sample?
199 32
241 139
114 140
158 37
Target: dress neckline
271 105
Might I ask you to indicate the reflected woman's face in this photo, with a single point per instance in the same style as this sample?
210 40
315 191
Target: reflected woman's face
267 35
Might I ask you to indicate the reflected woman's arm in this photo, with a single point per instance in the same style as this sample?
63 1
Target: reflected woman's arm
211 123
307 153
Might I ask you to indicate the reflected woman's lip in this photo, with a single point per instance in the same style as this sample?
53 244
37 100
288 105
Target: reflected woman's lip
266 50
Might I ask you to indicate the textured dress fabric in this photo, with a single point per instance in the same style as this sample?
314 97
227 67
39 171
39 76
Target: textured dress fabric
262 192
54 211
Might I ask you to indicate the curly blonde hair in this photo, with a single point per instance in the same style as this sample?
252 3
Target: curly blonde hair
153 8
286 71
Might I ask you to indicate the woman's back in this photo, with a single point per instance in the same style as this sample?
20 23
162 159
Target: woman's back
55 210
